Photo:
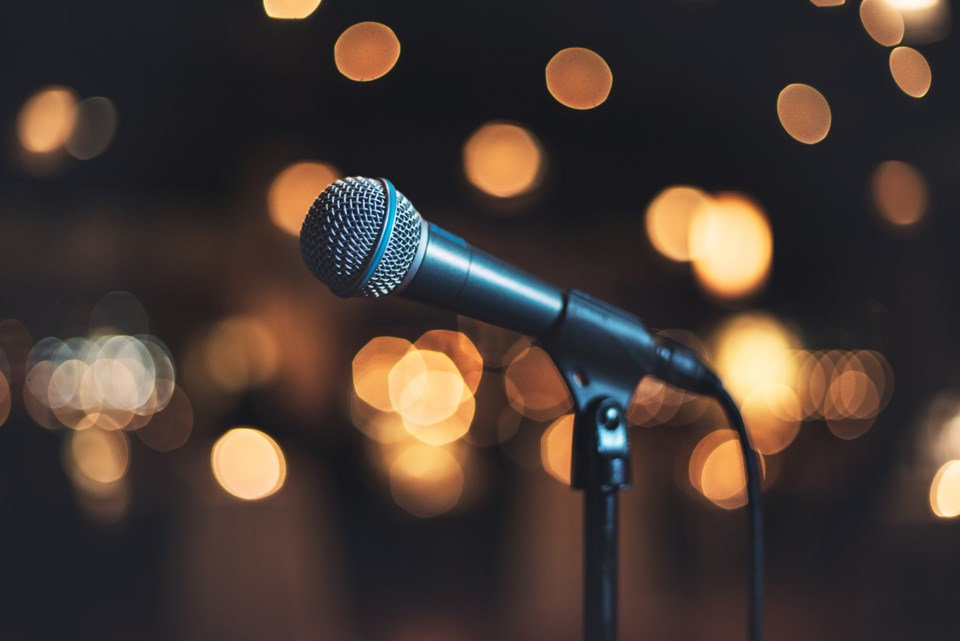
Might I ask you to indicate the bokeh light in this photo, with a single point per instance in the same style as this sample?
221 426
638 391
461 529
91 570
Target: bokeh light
366 51
426 480
804 113
425 387
101 456
882 22
248 464
716 469
503 160
96 125
924 20
47 119
240 352
751 350
945 490
294 190
109 382
371 369
384 427
911 71
579 78
899 192
731 245
772 414
534 386
290 9
459 349
828 3
668 220
556 448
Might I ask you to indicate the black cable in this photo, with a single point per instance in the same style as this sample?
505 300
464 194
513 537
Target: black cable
755 512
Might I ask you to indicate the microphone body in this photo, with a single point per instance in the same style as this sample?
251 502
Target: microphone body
598 348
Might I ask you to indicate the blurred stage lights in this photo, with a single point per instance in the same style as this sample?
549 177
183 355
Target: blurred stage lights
556 448
945 491
99 455
293 191
882 22
290 9
911 71
727 237
731 246
427 387
828 3
366 51
503 159
716 469
426 480
248 464
52 120
899 192
110 382
579 78
804 113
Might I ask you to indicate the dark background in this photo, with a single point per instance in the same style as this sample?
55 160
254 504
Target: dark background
214 98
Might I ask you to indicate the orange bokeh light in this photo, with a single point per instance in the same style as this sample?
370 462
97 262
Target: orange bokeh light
366 51
503 159
579 78
294 190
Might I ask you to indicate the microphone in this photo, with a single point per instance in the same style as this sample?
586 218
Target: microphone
363 238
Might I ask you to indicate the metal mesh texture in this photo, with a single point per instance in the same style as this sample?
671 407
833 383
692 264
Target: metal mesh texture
339 237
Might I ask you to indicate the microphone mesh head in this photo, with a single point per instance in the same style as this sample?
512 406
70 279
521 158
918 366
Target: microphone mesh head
340 234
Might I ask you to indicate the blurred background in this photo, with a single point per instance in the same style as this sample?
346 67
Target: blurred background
199 441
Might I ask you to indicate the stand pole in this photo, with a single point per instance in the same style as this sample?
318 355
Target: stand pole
601 468
600 565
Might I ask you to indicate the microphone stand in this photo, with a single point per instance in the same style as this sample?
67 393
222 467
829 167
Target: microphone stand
601 386
601 468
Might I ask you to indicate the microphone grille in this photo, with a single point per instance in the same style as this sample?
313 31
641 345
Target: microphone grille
341 234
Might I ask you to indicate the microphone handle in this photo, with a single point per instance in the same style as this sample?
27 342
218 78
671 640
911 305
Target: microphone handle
454 275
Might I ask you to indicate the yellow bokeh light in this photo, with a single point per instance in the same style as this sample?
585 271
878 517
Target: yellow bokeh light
534 386
911 71
294 190
882 22
366 51
731 245
290 9
772 414
503 159
924 20
556 448
371 370
828 3
668 220
460 349
240 352
425 387
386 428
899 192
99 455
426 480
446 430
47 119
248 464
716 469
579 78
804 113
945 490
95 128
751 350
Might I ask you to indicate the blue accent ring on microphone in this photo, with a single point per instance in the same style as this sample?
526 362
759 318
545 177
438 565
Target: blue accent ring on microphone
385 233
